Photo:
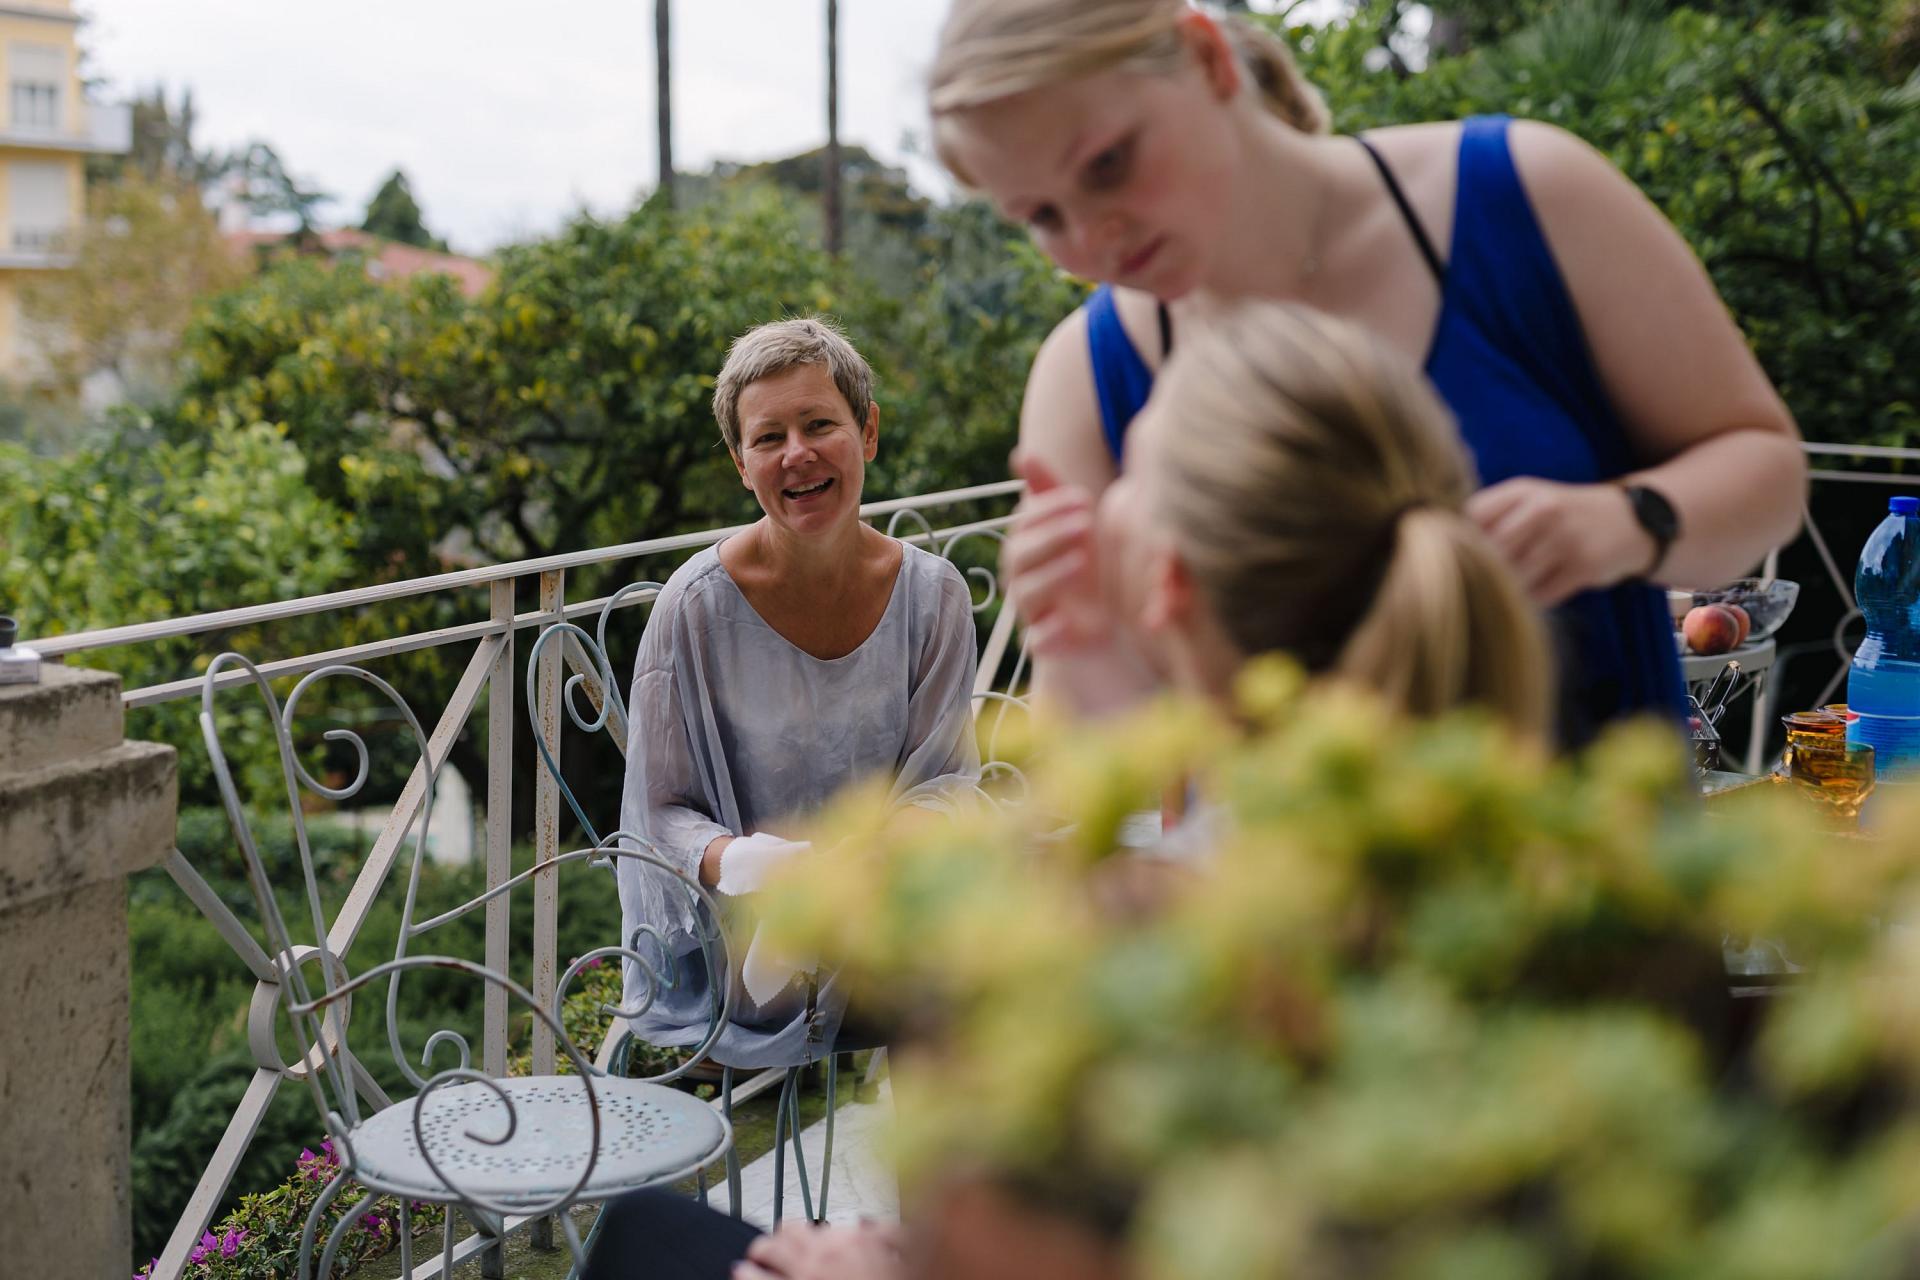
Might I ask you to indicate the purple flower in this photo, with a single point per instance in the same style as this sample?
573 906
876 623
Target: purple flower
146 1271
230 1243
316 1167
204 1250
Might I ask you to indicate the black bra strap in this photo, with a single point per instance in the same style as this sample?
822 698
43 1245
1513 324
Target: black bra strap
1406 212
1166 332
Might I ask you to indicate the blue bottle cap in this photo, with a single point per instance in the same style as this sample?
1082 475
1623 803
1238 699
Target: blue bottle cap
1904 505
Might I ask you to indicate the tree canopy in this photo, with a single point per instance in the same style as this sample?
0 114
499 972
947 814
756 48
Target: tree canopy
394 214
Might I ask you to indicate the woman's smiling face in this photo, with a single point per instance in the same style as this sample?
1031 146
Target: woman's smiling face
802 453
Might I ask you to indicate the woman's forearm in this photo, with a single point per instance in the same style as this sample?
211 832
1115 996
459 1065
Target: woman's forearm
710 860
1739 495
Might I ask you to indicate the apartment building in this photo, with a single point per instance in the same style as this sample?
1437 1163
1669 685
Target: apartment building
47 132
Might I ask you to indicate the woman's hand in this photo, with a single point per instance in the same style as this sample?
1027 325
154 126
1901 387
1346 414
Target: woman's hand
747 861
1562 539
1049 563
803 1251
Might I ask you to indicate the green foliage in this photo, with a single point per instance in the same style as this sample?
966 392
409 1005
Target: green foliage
163 148
587 1015
1778 139
267 187
1419 1002
260 1239
952 357
394 214
145 253
136 527
568 407
169 1158
565 408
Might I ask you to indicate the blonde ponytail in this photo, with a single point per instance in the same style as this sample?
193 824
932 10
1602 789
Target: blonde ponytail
1448 625
994 49
1313 485
1283 90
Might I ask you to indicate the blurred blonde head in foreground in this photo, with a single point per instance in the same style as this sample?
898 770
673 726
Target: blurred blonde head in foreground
1294 486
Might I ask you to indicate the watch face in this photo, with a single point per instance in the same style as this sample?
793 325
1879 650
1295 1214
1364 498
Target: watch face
1655 513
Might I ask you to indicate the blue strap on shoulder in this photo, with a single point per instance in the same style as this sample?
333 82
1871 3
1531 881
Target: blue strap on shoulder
1505 276
1120 377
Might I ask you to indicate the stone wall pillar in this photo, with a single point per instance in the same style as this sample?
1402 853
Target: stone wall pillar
80 810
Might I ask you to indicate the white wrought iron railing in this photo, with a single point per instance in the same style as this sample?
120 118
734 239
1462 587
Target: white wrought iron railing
489 672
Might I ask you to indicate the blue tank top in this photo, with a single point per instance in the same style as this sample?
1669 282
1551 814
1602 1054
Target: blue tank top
1510 359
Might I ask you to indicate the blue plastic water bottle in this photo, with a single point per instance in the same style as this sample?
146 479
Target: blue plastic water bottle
1884 684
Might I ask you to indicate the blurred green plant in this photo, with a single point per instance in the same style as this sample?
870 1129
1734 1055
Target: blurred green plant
1429 1004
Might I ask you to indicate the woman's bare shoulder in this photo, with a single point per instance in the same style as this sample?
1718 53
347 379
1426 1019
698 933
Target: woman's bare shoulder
1060 414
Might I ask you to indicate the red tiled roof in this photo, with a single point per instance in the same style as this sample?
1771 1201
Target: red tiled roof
386 259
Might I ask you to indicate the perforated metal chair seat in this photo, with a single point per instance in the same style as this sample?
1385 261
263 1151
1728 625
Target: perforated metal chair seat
648 1133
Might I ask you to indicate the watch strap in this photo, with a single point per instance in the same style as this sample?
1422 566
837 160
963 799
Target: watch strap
1652 512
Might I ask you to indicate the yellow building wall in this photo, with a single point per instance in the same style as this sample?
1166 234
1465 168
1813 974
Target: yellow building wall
55 31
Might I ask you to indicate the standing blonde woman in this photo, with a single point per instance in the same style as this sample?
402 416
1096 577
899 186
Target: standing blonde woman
1621 428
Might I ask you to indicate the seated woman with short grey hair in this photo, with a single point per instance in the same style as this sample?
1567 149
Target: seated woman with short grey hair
807 652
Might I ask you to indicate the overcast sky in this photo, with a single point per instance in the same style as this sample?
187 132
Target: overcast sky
506 115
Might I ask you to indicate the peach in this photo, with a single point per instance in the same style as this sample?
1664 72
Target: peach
1711 628
1739 616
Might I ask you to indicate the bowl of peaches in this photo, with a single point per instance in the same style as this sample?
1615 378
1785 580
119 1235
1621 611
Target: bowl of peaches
1745 611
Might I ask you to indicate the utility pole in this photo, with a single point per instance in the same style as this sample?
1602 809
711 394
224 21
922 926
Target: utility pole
663 86
830 188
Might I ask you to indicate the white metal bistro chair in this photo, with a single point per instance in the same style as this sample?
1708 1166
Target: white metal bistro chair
490 1148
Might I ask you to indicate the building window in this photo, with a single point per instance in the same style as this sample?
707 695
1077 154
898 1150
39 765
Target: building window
35 76
39 204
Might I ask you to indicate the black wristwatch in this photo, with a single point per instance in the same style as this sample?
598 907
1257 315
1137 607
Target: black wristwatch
1657 516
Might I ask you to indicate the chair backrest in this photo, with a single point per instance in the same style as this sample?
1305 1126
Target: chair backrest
592 676
318 1007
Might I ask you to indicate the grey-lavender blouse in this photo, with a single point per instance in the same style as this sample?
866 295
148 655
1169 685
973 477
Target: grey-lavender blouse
735 730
